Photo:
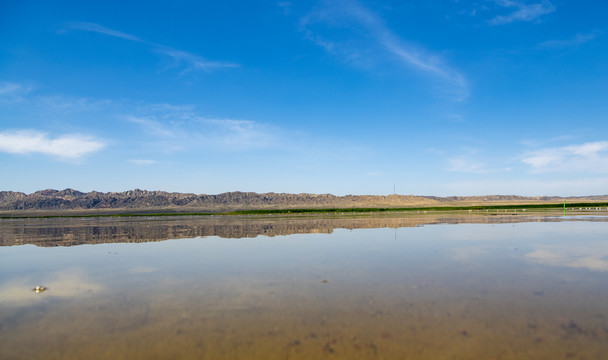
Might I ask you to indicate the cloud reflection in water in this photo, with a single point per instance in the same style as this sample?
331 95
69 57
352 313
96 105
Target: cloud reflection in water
594 258
68 283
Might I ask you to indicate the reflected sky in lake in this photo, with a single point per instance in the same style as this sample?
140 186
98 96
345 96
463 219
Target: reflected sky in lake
494 289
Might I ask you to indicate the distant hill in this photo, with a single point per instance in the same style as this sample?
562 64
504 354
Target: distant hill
143 200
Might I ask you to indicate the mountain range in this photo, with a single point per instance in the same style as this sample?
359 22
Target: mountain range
143 200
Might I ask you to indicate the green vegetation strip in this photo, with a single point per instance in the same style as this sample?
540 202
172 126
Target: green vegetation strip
430 208
328 211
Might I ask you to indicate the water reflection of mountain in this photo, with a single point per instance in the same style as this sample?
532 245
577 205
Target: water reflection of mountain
75 231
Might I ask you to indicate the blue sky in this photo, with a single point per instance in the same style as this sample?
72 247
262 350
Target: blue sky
345 97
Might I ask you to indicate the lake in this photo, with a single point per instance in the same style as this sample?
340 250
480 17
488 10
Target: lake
418 286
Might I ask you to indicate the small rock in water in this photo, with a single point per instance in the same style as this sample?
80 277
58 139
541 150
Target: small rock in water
39 289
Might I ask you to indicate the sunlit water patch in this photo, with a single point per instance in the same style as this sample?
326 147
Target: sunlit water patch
445 291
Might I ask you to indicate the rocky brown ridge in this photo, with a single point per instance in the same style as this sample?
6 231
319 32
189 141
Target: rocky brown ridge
134 200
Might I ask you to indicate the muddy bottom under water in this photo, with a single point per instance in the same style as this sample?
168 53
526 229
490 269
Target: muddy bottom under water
517 290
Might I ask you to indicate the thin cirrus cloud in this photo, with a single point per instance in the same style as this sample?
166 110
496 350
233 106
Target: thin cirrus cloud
64 147
591 157
96 28
142 162
351 14
192 61
156 128
464 164
9 88
179 130
181 58
523 12
575 41
12 92
240 133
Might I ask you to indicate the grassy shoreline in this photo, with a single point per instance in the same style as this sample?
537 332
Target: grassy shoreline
324 211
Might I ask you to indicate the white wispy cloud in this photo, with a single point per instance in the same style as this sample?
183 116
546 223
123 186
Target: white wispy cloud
96 28
7 88
181 58
575 41
156 128
142 162
365 24
182 128
15 92
532 142
239 133
470 160
193 62
523 11
12 92
374 173
466 164
66 147
63 103
589 157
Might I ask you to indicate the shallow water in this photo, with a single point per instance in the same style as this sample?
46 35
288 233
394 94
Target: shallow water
449 287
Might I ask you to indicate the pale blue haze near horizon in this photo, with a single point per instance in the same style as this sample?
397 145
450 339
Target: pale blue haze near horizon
345 97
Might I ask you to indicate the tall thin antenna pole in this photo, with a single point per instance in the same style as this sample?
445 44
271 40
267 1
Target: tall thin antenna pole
394 191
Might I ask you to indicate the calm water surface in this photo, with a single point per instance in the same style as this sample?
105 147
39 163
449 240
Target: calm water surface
489 287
